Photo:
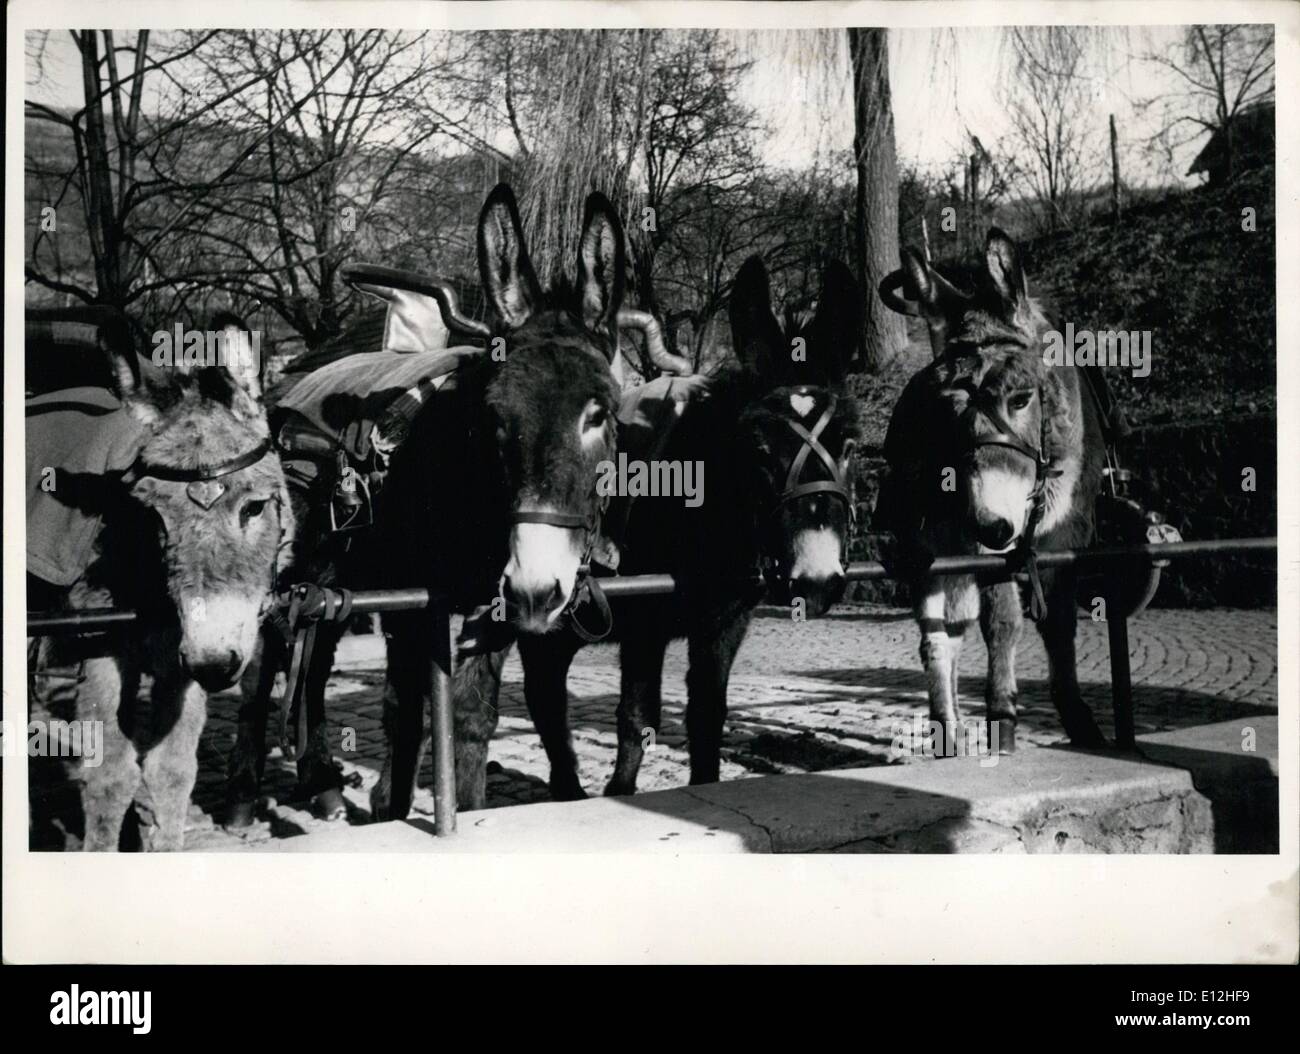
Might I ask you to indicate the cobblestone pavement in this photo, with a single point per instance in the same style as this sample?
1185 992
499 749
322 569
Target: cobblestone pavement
830 693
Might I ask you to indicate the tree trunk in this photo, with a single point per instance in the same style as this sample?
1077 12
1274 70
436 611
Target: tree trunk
1114 172
876 221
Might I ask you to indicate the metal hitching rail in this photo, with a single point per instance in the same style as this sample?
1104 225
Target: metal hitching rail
444 791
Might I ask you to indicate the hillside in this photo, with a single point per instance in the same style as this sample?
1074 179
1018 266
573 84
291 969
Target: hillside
1184 269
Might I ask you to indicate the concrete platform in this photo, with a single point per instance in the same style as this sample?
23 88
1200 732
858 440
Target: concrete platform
1194 791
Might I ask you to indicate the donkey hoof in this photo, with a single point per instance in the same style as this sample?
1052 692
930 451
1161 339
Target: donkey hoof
571 792
329 804
619 788
1086 735
240 814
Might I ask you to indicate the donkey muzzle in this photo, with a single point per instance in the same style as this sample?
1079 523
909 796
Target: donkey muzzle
541 575
218 635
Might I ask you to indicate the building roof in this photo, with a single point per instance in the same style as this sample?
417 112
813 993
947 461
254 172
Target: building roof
1252 128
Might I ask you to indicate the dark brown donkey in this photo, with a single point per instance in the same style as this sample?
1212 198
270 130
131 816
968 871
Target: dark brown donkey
189 536
492 492
991 450
772 440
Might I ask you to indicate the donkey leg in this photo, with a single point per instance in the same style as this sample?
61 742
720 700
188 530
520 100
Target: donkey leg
938 660
109 786
546 674
710 653
476 685
1057 631
318 777
642 662
172 766
1001 624
248 760
405 704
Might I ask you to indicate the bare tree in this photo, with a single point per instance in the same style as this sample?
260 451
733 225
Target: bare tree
1219 71
130 179
1049 103
337 171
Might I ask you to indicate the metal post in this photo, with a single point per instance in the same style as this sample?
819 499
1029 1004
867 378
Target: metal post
444 754
1121 678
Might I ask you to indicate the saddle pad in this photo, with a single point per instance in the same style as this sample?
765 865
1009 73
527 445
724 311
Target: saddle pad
87 438
344 400
648 414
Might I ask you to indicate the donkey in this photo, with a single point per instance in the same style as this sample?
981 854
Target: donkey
492 492
991 450
190 537
774 436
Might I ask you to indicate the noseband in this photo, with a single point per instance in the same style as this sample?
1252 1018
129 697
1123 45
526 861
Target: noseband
586 590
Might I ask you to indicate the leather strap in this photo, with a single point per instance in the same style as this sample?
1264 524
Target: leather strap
812 445
571 520
201 472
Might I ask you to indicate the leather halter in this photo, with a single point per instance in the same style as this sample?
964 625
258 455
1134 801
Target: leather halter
982 405
836 485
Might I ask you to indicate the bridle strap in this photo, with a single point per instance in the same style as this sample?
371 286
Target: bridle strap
201 472
570 520
1005 436
812 445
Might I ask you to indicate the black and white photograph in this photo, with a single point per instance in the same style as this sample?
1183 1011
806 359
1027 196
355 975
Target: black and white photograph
651 435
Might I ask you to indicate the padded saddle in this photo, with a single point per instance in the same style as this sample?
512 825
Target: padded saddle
78 437
339 412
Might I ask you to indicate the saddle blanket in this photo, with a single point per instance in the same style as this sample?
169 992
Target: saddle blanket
77 439
648 414
348 399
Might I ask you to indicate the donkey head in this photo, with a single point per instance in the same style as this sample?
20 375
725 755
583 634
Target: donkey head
552 401
796 439
990 393
208 474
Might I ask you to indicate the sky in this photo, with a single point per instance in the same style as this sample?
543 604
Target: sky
944 83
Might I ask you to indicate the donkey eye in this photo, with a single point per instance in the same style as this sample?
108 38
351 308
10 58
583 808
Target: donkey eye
1019 400
596 417
251 510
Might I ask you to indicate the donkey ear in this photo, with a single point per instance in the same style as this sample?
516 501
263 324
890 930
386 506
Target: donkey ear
755 333
601 263
241 358
836 329
1002 263
503 265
